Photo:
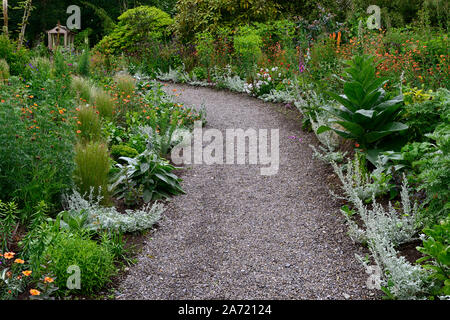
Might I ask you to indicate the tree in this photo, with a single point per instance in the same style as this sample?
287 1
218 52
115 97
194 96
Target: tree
5 17
27 8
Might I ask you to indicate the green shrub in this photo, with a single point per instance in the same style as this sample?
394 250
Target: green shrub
89 125
424 116
4 71
95 262
434 174
137 28
16 58
61 68
123 150
92 168
197 16
205 50
200 73
436 247
247 45
84 63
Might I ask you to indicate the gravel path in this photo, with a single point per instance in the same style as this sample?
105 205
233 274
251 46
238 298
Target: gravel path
239 235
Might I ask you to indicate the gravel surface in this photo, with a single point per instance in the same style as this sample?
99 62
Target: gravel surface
239 235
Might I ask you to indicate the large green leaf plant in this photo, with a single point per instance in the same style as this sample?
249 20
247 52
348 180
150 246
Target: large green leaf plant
364 113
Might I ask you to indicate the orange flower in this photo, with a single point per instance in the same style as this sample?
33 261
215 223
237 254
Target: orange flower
78 131
61 111
48 280
9 255
34 292
27 272
19 261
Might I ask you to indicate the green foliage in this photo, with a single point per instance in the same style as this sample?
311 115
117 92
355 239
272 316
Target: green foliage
60 66
436 247
122 150
434 173
205 49
125 84
8 222
136 28
247 44
16 58
92 168
425 111
324 62
103 103
95 261
148 173
36 161
88 124
163 126
364 115
4 71
41 67
82 87
415 151
84 63
194 16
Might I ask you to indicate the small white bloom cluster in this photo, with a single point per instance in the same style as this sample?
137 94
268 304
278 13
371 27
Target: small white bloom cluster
109 218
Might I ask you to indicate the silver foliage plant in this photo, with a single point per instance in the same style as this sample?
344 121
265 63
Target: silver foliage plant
383 230
356 182
101 218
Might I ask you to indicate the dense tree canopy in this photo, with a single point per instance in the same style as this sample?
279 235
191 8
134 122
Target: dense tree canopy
199 15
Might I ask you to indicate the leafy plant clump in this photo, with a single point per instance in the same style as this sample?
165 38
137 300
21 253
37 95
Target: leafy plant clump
364 115
148 177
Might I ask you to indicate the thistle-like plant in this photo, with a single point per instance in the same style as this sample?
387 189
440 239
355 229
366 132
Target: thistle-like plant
364 114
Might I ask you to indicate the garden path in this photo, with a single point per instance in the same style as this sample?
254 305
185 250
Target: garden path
239 235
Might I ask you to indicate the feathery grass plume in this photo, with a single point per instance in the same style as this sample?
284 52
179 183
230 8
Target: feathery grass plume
82 87
88 124
125 83
103 102
92 168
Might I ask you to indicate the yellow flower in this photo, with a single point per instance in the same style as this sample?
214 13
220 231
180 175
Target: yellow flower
27 272
48 280
9 255
34 292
